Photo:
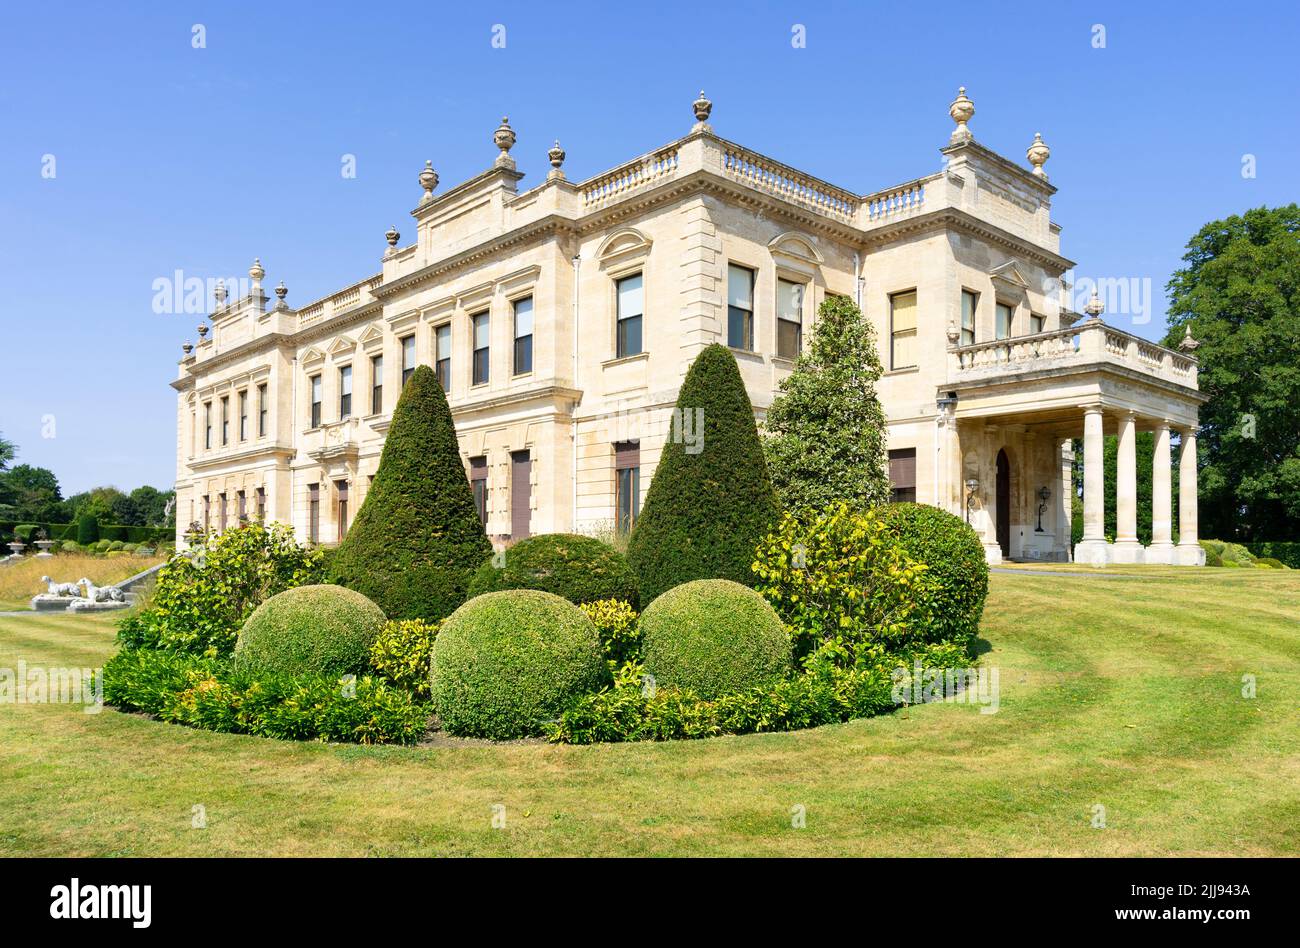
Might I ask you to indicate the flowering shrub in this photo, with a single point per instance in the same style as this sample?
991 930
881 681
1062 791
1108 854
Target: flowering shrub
843 585
402 652
203 596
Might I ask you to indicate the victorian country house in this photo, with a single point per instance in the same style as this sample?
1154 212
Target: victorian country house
562 318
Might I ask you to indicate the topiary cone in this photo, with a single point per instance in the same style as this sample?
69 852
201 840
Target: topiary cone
711 499
417 538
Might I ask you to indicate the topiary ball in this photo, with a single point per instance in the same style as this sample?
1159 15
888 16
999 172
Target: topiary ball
951 603
713 636
581 569
505 662
326 630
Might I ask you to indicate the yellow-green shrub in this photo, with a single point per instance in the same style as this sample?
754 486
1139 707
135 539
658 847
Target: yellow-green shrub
402 651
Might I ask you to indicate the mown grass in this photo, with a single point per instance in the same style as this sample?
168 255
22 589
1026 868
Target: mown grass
1121 692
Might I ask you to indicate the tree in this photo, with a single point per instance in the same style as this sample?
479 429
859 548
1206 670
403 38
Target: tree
34 493
711 499
825 433
7 454
1240 297
103 503
417 538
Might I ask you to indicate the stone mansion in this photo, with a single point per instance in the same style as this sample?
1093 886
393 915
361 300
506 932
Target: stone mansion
561 320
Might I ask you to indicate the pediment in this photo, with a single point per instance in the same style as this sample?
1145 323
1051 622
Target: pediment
797 246
625 243
312 355
372 335
1010 274
342 345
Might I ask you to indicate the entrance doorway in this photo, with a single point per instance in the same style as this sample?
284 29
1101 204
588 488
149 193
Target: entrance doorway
1004 504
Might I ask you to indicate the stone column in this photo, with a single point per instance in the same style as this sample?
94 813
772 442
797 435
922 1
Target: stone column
1161 549
1127 548
1064 499
1093 547
1189 552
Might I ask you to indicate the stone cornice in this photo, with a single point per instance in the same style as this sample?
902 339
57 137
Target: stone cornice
271 449
945 217
1057 373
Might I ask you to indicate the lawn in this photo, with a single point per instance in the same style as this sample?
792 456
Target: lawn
21 580
1123 692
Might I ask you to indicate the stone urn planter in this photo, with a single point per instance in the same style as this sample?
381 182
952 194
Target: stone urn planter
44 546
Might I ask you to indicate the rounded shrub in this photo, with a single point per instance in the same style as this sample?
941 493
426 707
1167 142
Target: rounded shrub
581 569
951 602
713 636
87 529
506 662
324 629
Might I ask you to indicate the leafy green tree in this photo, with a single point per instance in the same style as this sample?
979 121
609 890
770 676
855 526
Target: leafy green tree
711 499
33 492
825 433
7 454
417 538
1239 294
149 506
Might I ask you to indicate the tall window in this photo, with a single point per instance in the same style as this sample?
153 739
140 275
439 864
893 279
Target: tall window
261 410
222 511
789 319
345 392
969 302
313 513
481 331
902 330
207 425
241 506
341 488
243 415
207 512
1036 323
478 472
315 400
1003 328
376 384
902 475
627 484
631 309
261 503
442 355
225 420
740 308
523 335
408 359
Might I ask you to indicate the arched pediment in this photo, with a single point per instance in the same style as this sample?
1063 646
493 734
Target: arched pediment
624 244
796 246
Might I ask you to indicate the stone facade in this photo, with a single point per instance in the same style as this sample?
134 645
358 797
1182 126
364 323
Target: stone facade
563 318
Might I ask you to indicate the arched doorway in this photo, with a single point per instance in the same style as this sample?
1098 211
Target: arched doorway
1004 504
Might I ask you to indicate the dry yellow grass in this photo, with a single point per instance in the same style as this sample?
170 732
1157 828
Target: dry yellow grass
21 580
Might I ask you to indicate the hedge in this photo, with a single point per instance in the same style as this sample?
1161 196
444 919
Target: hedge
68 531
581 569
315 630
1286 552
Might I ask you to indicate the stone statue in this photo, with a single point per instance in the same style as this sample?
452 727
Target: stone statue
101 593
62 589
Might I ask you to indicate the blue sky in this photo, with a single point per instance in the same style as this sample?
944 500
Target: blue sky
168 157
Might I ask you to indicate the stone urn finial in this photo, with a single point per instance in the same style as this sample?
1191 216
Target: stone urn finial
202 330
962 111
1038 153
187 349
703 108
392 236
953 334
428 181
1187 343
220 293
1095 306
504 138
557 156
255 273
281 291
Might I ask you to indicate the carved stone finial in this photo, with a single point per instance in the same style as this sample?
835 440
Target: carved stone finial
220 293
703 108
187 349
1187 343
202 330
557 156
255 272
281 291
962 110
504 138
953 334
392 236
428 181
1038 153
1095 306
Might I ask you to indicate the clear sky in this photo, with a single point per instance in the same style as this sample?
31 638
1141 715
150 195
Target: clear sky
169 157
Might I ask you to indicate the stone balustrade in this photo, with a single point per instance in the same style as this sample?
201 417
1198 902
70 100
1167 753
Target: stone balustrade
628 177
772 177
345 299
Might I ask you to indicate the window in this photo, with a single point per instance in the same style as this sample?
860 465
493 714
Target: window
1003 328
315 401
261 410
225 420
345 392
341 488
521 494
207 425
222 510
1036 323
902 476
524 335
313 513
478 472
631 308
969 303
261 503
243 415
481 365
627 484
789 319
408 359
902 330
442 355
241 506
207 512
376 384
740 308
